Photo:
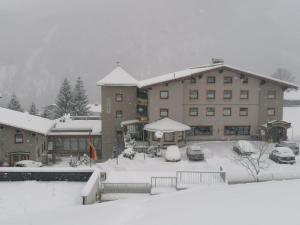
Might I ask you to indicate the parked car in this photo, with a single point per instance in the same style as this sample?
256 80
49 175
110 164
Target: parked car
243 148
28 163
282 155
173 154
195 152
292 145
129 153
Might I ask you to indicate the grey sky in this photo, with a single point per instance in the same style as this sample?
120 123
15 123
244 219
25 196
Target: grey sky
43 41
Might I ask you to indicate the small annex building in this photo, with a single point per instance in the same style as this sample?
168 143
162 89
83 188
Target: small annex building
22 136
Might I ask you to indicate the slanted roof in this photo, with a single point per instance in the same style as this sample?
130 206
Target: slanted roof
198 70
25 121
166 125
68 126
118 77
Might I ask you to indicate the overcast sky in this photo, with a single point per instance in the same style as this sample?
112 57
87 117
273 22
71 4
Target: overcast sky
43 41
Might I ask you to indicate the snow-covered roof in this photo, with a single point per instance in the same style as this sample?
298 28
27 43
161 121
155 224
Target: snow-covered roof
166 125
95 108
25 121
118 77
68 126
191 71
292 95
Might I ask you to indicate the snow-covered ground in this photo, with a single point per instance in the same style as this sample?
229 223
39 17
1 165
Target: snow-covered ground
24 198
274 203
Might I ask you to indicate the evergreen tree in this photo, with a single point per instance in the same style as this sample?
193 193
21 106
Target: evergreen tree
49 112
80 99
64 99
33 110
14 104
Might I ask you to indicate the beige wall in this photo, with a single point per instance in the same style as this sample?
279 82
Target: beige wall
109 107
179 102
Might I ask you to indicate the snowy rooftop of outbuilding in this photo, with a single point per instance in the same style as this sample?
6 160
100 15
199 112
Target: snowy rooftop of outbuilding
25 121
166 125
68 126
118 77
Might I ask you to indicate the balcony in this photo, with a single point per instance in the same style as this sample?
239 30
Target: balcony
142 101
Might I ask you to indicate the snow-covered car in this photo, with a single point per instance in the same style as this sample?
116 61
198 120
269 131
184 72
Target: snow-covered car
292 145
243 148
195 152
172 154
28 163
283 155
129 153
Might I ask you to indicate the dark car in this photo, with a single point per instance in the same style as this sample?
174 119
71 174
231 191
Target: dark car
292 145
283 155
195 152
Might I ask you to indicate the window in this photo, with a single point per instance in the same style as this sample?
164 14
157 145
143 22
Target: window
164 113
164 94
237 130
244 94
226 111
193 111
227 94
210 111
211 79
193 80
169 137
271 112
193 94
119 98
243 111
18 138
210 94
200 130
271 94
227 80
66 143
119 114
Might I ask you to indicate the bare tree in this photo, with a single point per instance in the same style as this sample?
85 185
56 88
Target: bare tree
255 162
284 74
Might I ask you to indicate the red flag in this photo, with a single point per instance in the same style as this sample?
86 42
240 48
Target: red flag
93 152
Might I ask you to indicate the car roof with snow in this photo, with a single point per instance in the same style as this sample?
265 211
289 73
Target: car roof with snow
284 151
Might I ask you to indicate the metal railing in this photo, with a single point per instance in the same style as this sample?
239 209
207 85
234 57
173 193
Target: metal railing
163 182
125 188
200 177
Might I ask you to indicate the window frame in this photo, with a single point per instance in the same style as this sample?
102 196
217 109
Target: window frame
274 111
271 96
163 109
242 95
227 77
118 95
213 81
245 111
194 98
207 94
214 111
172 135
227 98
21 136
164 91
237 130
196 131
191 109
119 112
227 108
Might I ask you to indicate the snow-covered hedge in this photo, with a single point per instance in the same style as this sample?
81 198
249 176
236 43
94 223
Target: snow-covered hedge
91 191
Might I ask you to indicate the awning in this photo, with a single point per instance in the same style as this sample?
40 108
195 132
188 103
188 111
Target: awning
166 125
129 122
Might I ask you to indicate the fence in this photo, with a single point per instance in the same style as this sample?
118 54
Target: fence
138 188
199 177
163 182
